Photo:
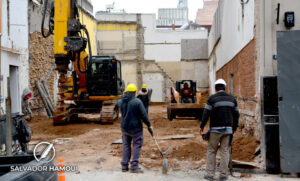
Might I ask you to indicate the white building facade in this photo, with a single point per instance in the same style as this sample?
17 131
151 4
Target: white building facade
14 51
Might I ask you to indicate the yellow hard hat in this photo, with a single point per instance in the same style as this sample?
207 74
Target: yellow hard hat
144 86
131 88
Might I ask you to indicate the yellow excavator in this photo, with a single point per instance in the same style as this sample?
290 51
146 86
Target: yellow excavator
85 81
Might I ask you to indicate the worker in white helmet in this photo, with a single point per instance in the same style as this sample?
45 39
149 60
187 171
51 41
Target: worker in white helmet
222 109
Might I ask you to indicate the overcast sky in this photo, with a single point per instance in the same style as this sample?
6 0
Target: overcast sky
147 6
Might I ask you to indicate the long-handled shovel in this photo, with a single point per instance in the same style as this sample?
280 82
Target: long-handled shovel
165 161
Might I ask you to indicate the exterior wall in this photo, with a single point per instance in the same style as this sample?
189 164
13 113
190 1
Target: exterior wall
194 49
237 30
239 75
35 11
205 16
14 50
115 17
155 81
86 5
196 70
266 20
129 72
117 39
165 45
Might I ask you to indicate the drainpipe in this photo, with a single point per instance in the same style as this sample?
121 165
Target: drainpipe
1 77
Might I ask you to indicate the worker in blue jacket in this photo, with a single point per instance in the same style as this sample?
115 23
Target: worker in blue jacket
133 115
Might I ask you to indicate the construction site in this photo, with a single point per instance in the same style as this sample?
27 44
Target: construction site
66 71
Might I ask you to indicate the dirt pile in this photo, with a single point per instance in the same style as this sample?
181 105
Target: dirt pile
41 62
243 148
190 151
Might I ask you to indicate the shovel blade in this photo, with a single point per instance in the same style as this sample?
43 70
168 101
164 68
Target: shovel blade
165 166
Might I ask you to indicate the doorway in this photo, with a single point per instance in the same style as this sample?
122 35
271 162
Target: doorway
14 89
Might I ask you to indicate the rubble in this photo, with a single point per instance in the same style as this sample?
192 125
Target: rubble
41 62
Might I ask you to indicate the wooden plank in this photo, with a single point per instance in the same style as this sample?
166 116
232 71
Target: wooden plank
237 163
242 164
177 137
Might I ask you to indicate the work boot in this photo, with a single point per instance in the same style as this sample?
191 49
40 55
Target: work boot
210 178
138 170
125 169
222 178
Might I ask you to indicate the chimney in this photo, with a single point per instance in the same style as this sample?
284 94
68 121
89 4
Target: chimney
173 27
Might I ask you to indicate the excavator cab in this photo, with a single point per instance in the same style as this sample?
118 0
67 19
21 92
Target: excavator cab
104 76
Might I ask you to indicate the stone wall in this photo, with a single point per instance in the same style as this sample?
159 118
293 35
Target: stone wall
41 62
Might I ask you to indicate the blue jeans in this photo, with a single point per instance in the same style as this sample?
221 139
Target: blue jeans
137 138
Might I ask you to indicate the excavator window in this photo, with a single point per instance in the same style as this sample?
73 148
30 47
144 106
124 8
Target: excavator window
104 76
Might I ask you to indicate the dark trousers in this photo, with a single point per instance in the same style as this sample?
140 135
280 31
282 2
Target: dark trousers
137 138
146 107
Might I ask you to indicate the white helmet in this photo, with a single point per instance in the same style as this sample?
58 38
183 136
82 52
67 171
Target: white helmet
220 81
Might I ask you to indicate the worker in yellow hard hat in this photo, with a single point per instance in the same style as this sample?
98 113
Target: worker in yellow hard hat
143 95
133 114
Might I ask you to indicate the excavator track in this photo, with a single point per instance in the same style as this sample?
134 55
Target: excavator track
109 114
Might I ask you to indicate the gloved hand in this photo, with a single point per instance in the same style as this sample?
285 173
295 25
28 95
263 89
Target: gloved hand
150 130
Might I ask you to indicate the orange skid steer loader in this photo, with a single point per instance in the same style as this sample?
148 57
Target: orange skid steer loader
186 105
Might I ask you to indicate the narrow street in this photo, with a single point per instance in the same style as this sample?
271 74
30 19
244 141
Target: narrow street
89 145
217 79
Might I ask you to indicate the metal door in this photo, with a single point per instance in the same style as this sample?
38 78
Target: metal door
288 48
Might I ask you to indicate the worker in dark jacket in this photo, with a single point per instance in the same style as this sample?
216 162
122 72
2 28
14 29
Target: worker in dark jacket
143 95
222 109
133 115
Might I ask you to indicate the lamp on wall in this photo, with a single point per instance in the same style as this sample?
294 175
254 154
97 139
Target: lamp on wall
244 1
289 19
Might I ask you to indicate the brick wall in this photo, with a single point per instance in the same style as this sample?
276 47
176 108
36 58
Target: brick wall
239 75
